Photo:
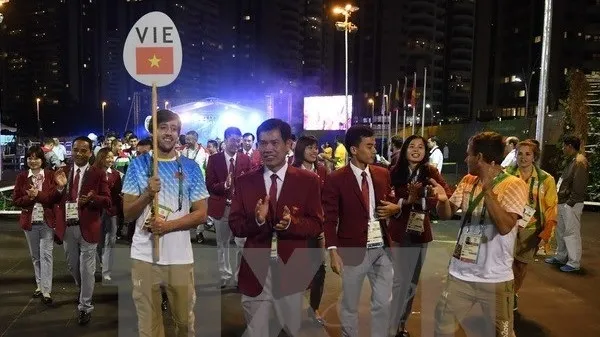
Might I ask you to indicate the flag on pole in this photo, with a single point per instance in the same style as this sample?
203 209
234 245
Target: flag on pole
383 101
397 96
404 92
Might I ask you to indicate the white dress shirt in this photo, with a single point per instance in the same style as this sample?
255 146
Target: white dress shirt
280 178
228 157
358 174
436 158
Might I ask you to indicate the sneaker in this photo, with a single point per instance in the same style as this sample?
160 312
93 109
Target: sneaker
199 238
568 269
107 278
553 260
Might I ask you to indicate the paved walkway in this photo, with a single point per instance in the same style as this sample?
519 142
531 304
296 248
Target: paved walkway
552 304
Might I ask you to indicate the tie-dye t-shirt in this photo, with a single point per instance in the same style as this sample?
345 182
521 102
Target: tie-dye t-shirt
175 247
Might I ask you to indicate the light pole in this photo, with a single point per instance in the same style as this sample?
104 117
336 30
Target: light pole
103 107
347 27
39 124
372 107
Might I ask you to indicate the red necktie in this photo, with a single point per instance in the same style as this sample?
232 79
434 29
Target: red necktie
365 190
231 171
75 187
273 194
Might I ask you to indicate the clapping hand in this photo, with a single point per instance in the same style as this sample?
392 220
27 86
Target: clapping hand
60 178
285 221
261 210
413 192
32 192
84 199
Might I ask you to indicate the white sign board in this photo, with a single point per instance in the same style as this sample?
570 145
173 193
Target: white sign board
152 51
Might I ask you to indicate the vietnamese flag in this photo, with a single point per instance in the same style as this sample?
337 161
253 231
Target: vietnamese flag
154 60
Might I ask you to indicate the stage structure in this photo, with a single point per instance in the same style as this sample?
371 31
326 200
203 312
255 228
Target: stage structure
211 116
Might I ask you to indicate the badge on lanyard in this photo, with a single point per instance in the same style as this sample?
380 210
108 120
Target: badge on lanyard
470 248
163 212
71 211
416 222
374 236
528 216
38 214
274 246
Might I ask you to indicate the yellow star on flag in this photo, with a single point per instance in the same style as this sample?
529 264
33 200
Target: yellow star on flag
154 61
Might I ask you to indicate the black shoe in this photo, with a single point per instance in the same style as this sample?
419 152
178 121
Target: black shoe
37 294
84 318
47 300
403 333
164 304
199 238
312 315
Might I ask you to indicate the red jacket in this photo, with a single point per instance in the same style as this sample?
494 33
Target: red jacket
216 175
45 197
115 185
255 159
397 226
90 214
299 193
347 215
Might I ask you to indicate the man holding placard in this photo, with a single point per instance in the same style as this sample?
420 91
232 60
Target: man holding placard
179 187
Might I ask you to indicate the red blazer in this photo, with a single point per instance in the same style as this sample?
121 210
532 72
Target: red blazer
115 184
347 216
255 159
94 179
299 193
320 171
45 197
397 225
216 175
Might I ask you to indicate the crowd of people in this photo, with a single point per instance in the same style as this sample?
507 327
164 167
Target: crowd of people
280 204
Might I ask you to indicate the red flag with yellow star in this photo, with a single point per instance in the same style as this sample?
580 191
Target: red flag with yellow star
154 60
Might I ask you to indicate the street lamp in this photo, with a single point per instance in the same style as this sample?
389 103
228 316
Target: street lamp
103 107
166 105
347 27
372 106
39 124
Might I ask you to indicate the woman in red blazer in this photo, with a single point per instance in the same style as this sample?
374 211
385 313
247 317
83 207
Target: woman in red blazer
306 155
410 229
105 160
34 191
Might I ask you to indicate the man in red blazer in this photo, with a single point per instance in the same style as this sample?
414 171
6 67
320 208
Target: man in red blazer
278 210
355 238
84 193
221 172
249 150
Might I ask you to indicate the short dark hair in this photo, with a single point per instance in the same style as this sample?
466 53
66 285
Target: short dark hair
214 143
490 145
48 141
232 131
37 152
84 139
293 137
248 134
133 136
355 134
397 141
434 139
574 141
301 145
192 133
145 142
163 116
275 124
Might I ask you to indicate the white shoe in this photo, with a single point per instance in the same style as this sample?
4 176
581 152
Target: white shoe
107 278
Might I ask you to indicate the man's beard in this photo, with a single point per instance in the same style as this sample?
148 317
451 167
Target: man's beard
165 148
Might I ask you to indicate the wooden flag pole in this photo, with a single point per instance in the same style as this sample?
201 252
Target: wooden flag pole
155 238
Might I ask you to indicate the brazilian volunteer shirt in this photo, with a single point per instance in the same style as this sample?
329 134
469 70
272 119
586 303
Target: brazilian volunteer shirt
494 260
182 184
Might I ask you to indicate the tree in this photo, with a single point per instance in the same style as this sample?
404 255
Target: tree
576 106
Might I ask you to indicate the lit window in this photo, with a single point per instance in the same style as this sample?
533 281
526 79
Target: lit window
233 55
579 34
522 93
247 18
85 65
514 78
506 79
565 35
538 39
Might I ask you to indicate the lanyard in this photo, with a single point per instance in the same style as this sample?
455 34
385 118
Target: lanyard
195 154
473 203
179 177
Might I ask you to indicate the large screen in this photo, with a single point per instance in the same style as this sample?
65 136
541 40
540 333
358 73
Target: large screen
327 113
